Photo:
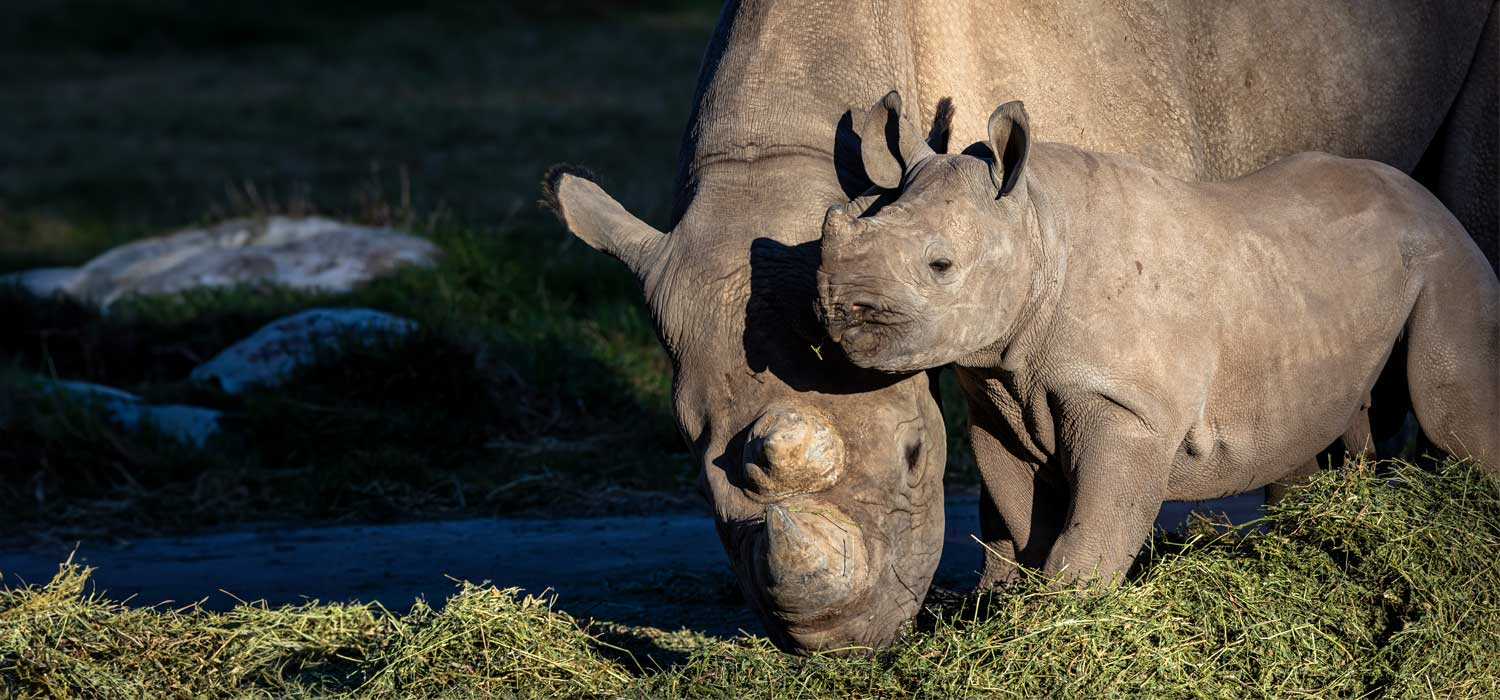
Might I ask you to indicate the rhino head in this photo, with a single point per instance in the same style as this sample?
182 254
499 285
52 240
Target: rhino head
825 479
945 270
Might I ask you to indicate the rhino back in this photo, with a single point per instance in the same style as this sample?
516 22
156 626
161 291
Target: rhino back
1313 240
1203 91
1237 308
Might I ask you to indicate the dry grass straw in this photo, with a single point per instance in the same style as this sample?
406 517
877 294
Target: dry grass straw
1377 581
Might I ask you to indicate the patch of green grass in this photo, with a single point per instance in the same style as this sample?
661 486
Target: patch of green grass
536 365
535 380
1361 586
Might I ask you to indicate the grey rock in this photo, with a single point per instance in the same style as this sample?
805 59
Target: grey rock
301 253
276 351
45 281
189 425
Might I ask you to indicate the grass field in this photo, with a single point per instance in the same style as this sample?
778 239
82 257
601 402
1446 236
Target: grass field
1361 586
536 385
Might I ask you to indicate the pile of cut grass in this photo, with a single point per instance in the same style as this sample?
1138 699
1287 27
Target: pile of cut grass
1363 585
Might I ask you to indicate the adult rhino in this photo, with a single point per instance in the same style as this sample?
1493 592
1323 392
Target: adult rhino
825 480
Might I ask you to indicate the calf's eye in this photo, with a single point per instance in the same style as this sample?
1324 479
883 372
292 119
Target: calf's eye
940 265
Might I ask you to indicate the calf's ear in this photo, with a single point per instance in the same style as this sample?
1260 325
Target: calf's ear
596 218
889 143
1010 139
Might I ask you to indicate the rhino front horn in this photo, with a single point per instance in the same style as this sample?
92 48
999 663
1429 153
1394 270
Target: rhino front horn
792 450
812 560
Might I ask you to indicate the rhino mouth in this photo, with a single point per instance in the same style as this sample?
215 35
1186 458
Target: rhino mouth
861 314
865 330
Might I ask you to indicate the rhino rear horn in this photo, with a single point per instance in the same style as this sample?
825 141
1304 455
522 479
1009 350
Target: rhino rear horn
889 143
793 450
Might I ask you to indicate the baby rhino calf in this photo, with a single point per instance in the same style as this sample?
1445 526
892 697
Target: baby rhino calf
1125 338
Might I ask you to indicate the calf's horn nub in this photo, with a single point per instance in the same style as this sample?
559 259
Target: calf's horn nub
840 224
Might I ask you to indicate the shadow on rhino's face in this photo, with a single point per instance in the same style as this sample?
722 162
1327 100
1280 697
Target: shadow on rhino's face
825 479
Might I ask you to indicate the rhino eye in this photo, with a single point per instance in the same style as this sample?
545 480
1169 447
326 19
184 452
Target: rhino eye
940 265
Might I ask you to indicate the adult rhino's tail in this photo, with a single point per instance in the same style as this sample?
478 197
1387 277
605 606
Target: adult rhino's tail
942 126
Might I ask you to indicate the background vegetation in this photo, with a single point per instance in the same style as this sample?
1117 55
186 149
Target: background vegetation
536 366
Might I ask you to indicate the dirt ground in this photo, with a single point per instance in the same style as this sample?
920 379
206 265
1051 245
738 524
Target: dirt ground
666 571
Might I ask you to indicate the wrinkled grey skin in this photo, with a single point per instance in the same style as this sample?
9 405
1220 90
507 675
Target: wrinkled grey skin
1203 90
1125 338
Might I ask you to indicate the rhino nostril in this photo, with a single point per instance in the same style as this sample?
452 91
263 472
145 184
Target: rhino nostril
861 308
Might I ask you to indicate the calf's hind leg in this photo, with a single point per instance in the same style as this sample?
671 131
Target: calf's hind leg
1278 489
1453 358
1356 443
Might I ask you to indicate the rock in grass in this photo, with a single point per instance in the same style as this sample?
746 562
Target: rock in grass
301 253
189 425
275 352
45 281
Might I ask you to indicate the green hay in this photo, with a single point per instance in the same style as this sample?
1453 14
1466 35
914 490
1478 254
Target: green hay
1363 585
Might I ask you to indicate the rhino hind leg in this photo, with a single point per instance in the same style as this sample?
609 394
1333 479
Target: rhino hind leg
1356 443
1453 360
1278 489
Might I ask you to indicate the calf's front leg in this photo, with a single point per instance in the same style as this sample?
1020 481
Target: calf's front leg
1118 469
1021 507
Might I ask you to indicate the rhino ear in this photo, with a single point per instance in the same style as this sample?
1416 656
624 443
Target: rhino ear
889 144
1010 140
596 218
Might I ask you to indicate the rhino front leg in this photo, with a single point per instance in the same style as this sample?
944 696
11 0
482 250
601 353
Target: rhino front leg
1021 508
1119 472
